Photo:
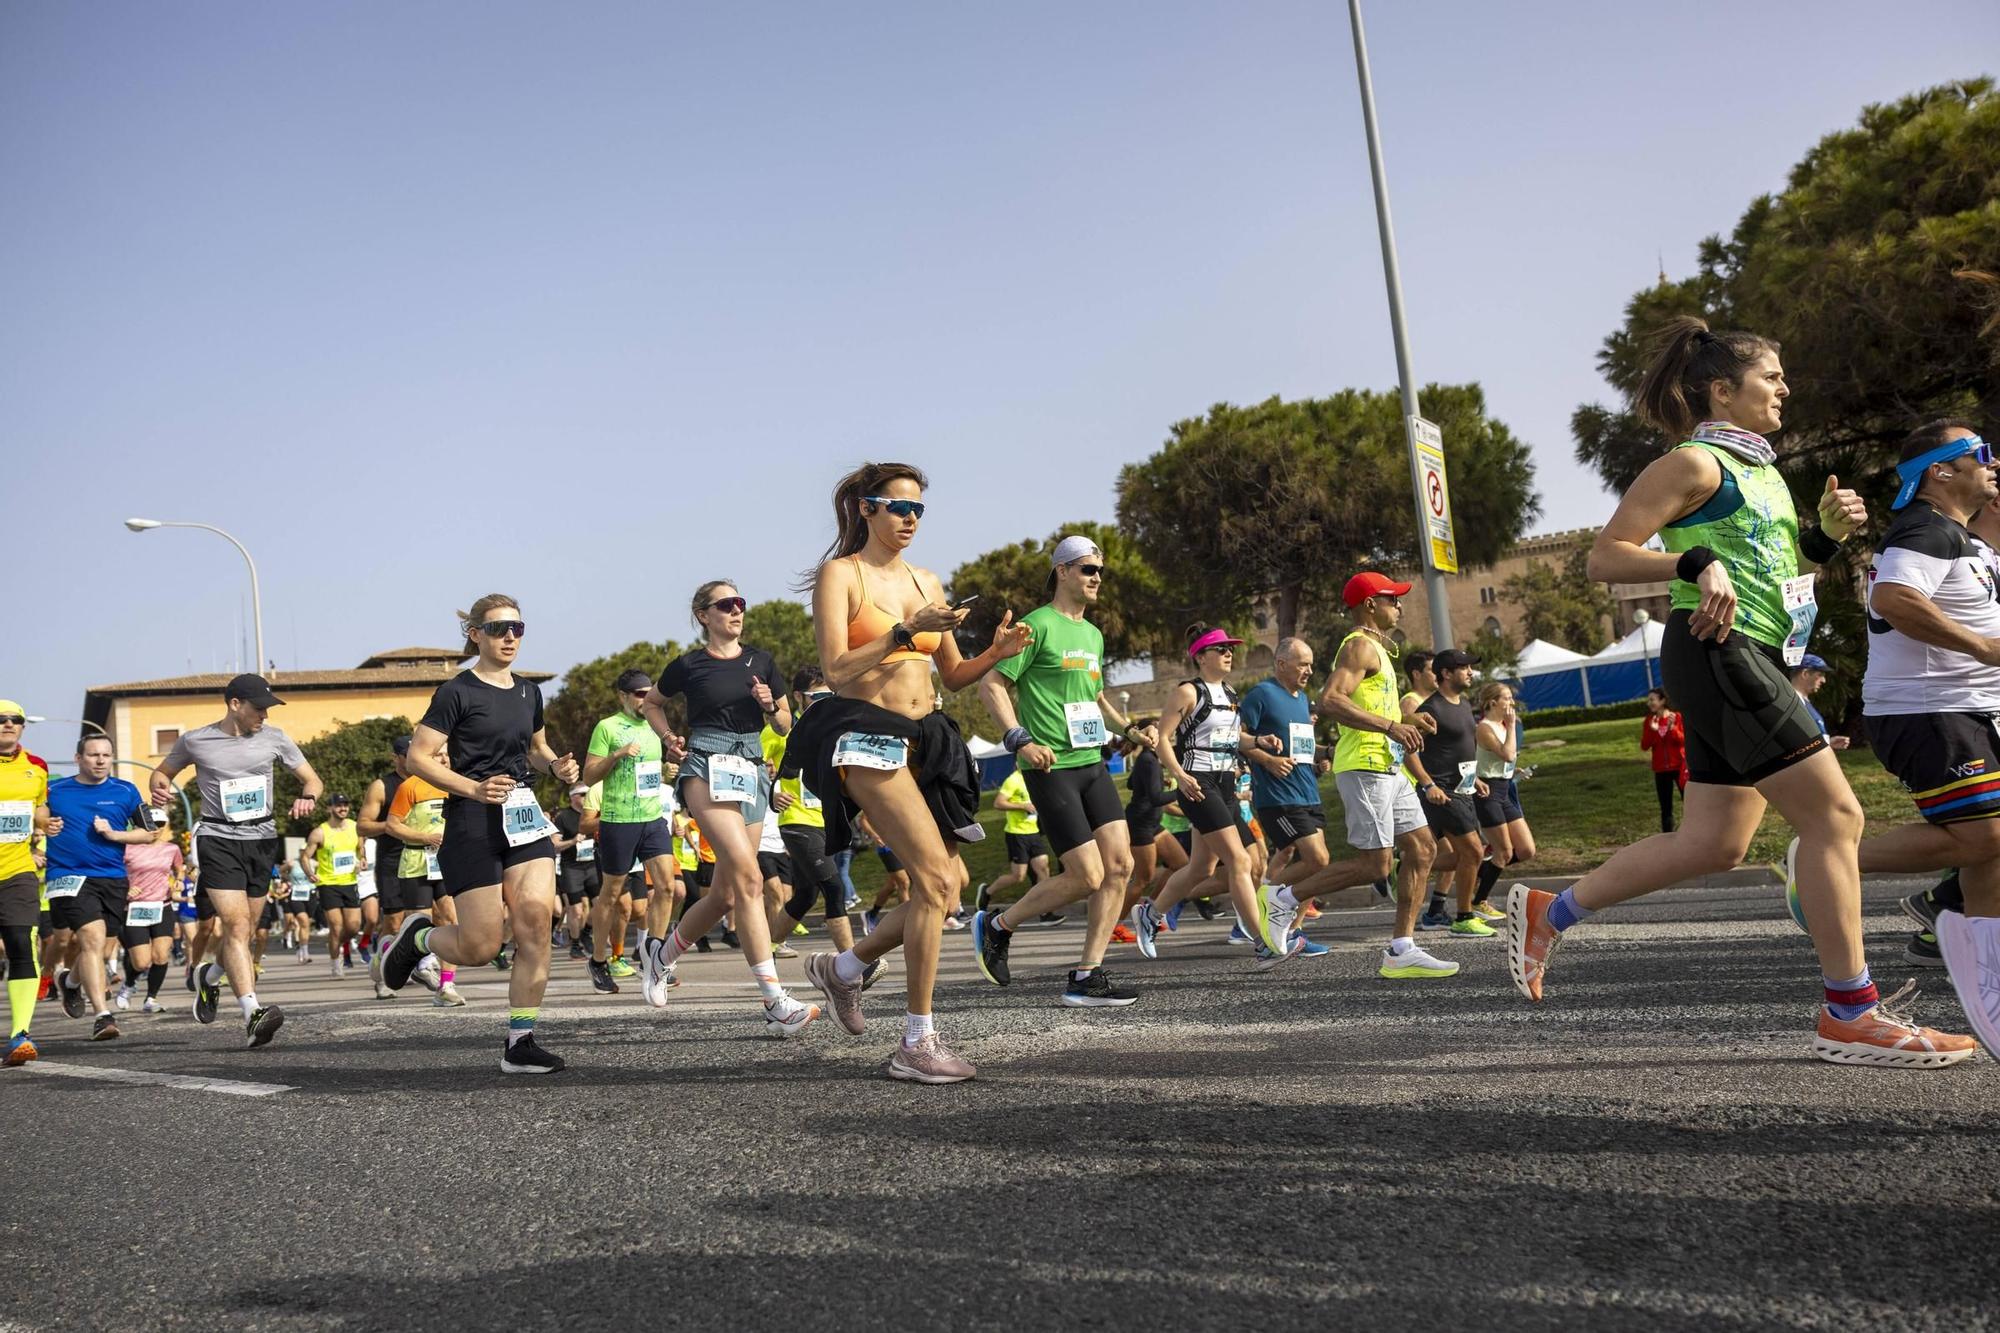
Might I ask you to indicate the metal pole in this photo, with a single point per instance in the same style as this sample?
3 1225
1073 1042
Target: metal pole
256 594
1434 585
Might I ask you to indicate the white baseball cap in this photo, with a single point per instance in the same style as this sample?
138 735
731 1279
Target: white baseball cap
1072 549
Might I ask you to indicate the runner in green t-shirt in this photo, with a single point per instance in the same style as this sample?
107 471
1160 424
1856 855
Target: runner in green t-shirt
1058 737
633 836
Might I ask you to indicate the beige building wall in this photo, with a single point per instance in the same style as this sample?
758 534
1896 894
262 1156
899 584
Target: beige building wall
144 728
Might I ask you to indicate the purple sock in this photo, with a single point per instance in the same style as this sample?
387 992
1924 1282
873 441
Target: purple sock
1565 911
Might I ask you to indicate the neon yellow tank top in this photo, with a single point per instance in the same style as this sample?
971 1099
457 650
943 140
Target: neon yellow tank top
338 859
1370 751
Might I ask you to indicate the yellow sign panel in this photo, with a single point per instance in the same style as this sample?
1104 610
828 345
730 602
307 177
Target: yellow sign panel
1428 441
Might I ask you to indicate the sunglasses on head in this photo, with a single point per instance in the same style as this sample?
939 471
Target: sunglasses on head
900 508
814 696
502 629
14 719
729 605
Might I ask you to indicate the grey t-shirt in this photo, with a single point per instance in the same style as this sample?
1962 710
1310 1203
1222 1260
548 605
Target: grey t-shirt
234 775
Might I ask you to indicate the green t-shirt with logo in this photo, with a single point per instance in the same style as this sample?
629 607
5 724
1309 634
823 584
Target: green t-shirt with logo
1057 678
633 786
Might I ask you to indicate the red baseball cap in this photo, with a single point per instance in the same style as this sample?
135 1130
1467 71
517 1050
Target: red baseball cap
1368 584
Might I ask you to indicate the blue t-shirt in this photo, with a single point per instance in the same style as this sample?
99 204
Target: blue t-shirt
80 849
1267 710
1818 721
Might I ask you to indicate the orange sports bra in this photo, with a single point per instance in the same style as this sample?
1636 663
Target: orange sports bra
871 622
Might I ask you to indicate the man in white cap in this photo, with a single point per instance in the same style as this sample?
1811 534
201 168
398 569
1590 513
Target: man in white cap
1057 723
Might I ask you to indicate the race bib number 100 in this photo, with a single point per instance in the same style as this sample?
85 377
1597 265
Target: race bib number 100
521 818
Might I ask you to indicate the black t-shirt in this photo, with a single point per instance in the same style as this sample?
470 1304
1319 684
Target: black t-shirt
568 822
388 851
1453 746
718 688
487 729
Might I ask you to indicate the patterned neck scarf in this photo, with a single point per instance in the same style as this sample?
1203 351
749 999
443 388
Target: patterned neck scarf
1747 445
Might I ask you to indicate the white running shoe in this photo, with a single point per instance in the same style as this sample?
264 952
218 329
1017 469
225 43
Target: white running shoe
429 974
448 997
1971 949
1416 963
656 975
333 966
304 956
152 1006
123 1000
1275 918
786 1017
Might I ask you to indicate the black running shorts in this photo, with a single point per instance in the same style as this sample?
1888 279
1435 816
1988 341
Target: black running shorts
242 864
1073 803
475 853
1287 824
1744 719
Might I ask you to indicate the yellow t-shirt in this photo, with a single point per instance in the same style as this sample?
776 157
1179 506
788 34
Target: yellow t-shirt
1015 788
805 807
23 788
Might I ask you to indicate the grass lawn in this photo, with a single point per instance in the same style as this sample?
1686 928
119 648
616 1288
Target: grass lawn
1589 796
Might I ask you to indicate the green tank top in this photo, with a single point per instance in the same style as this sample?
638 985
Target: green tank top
1370 751
1757 540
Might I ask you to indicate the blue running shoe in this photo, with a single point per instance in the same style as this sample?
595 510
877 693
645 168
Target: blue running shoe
1237 935
1174 915
1306 948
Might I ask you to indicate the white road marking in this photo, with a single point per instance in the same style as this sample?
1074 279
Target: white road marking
187 1082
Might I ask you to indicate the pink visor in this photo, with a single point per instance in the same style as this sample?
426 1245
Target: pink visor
1210 640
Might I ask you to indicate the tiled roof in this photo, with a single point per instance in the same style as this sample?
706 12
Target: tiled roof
416 655
212 682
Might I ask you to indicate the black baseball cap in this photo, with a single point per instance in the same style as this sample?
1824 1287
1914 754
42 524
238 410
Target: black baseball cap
401 745
633 681
337 799
251 688
1453 658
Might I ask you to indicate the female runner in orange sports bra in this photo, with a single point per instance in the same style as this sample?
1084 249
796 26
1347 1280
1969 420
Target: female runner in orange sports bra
882 747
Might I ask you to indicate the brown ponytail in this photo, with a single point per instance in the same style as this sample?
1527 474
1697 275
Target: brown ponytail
850 527
1687 359
1196 630
467 620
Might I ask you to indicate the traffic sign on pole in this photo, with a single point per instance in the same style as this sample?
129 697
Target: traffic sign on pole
1428 442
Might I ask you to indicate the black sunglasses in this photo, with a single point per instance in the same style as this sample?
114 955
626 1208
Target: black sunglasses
1090 571
14 718
500 629
731 605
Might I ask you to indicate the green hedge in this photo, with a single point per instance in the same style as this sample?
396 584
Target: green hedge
1562 717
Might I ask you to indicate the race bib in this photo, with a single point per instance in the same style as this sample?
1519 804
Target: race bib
1468 773
65 886
1803 608
521 817
144 914
17 821
431 868
806 797
857 749
1219 755
1303 743
1086 724
343 863
245 799
586 850
302 893
731 777
646 778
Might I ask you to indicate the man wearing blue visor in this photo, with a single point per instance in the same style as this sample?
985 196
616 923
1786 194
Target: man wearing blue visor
1932 698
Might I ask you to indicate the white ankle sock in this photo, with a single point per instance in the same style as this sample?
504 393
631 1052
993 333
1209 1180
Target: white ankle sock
916 1027
847 967
766 973
248 1004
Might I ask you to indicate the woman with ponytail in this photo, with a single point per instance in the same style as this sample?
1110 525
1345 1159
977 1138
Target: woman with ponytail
881 747
1741 569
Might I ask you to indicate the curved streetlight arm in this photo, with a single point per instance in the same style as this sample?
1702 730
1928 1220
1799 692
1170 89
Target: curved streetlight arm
256 596
187 806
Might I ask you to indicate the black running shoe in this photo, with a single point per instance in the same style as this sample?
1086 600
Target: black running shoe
524 1057
1209 911
403 955
703 946
600 978
104 1029
71 993
206 987
577 951
729 938
870 972
981 899
501 962
1096 990
188 977
264 1024
1052 918
1923 951
989 947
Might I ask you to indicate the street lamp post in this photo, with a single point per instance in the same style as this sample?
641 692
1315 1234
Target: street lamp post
256 597
81 722
1434 586
1642 617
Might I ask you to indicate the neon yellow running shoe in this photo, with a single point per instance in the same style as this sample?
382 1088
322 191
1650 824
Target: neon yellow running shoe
618 967
1474 927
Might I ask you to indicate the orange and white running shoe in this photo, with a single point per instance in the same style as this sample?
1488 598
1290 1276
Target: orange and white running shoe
1887 1038
1530 938
1122 934
1310 912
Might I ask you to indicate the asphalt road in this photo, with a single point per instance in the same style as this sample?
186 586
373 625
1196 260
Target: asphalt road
1308 1148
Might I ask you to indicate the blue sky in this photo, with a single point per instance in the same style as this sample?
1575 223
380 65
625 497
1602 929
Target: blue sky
591 303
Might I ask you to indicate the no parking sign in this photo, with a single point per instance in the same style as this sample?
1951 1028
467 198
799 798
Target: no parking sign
1428 441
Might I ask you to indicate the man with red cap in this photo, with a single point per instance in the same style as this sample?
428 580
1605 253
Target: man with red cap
1379 800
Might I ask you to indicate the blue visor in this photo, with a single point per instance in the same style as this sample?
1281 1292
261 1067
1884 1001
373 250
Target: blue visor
1912 471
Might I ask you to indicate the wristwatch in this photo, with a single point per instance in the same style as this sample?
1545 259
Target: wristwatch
901 636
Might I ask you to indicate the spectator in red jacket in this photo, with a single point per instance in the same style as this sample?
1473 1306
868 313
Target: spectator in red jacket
1665 738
